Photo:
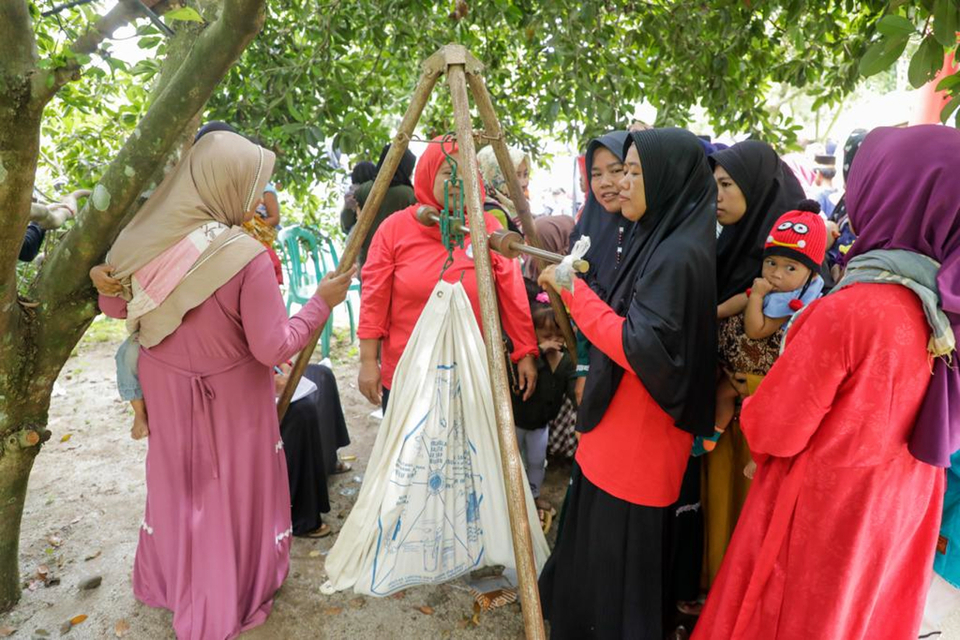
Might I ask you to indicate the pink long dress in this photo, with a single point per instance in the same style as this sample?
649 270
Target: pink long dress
215 540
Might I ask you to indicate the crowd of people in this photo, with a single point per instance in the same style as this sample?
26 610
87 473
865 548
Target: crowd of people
760 407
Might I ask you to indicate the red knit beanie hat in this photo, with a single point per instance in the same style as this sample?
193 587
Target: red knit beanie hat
800 235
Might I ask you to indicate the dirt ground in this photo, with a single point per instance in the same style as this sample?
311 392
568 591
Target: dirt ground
85 504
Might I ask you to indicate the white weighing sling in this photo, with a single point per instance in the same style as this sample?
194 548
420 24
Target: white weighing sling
433 503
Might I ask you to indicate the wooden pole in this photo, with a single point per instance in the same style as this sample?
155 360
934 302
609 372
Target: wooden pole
431 73
492 126
514 475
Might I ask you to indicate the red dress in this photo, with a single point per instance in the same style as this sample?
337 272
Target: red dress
836 539
402 268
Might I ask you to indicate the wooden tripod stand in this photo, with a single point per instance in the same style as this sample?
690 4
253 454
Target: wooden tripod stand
463 69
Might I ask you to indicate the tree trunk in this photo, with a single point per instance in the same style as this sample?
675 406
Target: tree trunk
17 452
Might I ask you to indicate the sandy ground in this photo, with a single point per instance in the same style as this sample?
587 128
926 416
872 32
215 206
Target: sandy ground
85 504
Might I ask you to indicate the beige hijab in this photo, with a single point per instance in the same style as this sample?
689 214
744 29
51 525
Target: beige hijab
217 180
493 179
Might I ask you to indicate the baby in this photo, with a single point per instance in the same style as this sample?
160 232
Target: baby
789 281
128 382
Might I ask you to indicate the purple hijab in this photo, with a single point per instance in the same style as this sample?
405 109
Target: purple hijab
903 193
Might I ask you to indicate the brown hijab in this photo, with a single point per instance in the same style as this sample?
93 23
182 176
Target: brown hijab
554 233
218 179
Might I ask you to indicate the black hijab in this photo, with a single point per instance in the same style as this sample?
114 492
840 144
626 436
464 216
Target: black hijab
770 190
602 227
363 171
404 174
665 288
210 127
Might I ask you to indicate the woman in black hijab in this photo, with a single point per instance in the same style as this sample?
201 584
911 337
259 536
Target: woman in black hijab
650 390
399 196
755 188
601 219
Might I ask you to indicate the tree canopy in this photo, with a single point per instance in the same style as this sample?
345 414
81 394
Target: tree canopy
327 77
339 74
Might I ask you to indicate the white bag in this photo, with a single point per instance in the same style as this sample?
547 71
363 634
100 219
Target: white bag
433 503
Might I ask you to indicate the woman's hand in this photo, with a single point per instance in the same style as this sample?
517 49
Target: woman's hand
739 382
280 379
369 381
527 372
333 289
548 277
106 284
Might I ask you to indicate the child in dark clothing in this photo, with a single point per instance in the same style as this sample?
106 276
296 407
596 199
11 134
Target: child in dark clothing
556 380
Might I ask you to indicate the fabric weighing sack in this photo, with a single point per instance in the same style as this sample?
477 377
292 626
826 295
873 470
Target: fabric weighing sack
433 504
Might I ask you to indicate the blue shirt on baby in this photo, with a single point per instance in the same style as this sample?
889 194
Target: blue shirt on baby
777 304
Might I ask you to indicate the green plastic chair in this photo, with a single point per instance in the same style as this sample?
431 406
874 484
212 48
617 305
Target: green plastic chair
302 248
330 259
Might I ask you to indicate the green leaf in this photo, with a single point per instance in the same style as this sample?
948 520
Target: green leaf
149 42
945 22
949 109
926 62
895 26
882 54
949 82
187 14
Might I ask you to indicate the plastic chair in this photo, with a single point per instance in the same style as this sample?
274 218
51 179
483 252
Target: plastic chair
329 252
301 247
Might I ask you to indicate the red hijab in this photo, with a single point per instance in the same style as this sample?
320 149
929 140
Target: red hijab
428 166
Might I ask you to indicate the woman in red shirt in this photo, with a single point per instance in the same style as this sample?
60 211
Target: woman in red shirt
647 395
404 262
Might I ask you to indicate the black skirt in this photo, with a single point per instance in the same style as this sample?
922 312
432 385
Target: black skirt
605 577
312 431
685 540
332 423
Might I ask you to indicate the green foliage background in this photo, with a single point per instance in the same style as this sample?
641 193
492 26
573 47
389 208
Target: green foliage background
334 76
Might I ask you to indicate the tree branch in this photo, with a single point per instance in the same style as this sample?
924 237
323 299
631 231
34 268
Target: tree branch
18 49
88 43
64 7
63 288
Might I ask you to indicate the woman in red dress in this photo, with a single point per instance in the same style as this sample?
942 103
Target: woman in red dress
652 366
837 537
403 265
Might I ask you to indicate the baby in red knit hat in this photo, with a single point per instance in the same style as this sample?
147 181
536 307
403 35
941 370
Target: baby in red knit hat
789 281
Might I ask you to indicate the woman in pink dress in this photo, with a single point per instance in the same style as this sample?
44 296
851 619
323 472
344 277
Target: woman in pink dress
215 538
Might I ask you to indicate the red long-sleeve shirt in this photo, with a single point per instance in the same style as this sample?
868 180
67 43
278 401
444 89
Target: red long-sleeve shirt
635 453
402 267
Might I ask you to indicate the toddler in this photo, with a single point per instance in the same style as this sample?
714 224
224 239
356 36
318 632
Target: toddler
556 380
128 382
790 280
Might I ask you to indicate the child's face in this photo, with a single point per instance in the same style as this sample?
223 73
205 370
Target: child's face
549 331
784 274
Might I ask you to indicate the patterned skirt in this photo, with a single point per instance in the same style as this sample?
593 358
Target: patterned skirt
563 441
